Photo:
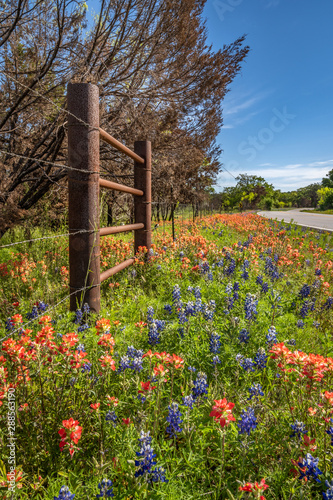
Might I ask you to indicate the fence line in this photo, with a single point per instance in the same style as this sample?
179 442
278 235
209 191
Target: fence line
83 155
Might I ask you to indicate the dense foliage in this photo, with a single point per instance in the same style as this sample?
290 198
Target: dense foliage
207 373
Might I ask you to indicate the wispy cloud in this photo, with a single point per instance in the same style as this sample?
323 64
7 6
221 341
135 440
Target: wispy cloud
285 177
271 3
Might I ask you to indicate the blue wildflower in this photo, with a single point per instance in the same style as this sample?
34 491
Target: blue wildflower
105 489
300 324
188 401
158 475
215 343
308 468
150 314
328 495
200 385
271 336
65 494
145 455
216 360
247 364
86 367
78 316
174 419
247 422
330 432
305 291
244 336
298 428
250 307
168 308
111 417
260 359
255 391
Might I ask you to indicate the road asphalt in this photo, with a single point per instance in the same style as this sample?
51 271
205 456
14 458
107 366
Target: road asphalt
316 221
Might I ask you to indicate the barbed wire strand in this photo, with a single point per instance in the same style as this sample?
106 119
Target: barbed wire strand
38 160
48 237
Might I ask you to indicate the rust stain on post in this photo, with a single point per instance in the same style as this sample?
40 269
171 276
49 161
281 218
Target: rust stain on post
142 206
83 153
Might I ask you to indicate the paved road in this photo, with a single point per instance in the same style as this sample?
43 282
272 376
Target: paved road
318 221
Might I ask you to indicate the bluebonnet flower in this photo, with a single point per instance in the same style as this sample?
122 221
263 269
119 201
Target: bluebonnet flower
215 343
65 494
133 273
305 291
271 269
228 288
158 475
181 255
316 324
250 307
236 286
260 359
86 308
174 419
80 348
125 362
300 324
328 304
188 401
197 292
264 287
328 495
190 309
150 314
220 263
86 367
78 316
176 296
136 364
244 336
83 327
307 306
210 276
190 289
291 342
255 391
317 272
247 422
308 468
33 314
247 364
216 360
168 308
239 358
271 336
111 417
245 275
229 271
181 332
191 369
198 306
145 455
105 489
153 334
72 381
204 267
330 432
259 280
141 398
298 428
9 324
182 318
200 385
42 306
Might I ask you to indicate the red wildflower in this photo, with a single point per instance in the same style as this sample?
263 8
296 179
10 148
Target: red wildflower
146 387
222 412
95 406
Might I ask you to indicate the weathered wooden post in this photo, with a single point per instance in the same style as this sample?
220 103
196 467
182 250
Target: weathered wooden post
142 204
83 186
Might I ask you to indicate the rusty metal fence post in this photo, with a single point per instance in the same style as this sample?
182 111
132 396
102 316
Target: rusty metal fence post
142 204
83 186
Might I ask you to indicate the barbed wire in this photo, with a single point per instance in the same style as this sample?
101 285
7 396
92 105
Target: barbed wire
49 237
58 165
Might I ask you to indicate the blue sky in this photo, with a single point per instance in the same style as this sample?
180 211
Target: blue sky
278 115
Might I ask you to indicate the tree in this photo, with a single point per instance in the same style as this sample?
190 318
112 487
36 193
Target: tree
157 79
328 180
